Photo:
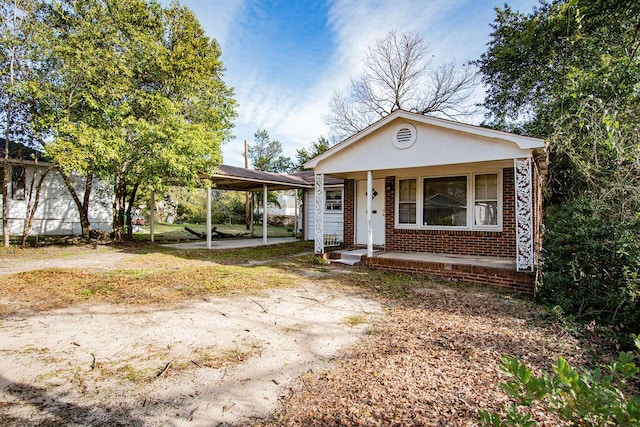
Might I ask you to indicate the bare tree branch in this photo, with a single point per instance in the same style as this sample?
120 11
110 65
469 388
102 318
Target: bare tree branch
399 74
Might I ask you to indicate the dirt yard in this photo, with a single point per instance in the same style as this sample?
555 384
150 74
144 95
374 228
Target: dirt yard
316 345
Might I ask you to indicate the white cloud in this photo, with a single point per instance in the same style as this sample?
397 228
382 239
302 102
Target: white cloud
455 29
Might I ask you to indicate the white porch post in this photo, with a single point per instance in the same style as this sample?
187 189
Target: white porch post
208 189
524 214
264 214
319 213
369 214
152 216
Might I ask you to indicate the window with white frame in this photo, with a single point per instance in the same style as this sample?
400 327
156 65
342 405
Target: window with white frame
333 200
407 201
469 201
486 199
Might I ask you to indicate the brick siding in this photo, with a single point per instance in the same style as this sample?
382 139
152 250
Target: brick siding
349 212
457 242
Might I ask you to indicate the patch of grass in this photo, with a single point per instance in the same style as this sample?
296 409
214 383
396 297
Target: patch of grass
175 232
387 284
56 288
356 319
243 255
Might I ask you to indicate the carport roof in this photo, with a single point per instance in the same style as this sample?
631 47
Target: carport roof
240 179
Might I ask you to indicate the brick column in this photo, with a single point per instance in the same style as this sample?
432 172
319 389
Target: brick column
349 212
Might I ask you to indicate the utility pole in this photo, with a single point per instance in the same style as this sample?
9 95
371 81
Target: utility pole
247 202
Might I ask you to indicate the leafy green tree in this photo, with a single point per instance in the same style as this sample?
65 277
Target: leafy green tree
135 95
569 72
314 149
266 154
18 29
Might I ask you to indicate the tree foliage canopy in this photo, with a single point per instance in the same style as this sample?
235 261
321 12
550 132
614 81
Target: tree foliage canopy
266 154
399 73
314 149
130 92
569 72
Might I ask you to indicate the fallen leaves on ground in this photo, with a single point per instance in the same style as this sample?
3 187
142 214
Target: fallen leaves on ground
432 361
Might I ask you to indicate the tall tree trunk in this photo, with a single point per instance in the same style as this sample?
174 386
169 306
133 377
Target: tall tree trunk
31 209
130 204
5 186
82 205
7 135
119 209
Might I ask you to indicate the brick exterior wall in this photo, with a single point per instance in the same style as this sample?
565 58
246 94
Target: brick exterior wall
511 280
456 242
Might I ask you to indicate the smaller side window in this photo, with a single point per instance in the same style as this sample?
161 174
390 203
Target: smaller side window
18 183
407 201
333 200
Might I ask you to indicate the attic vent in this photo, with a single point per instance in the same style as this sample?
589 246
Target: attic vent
404 136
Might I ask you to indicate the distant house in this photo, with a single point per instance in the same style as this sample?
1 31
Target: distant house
427 194
57 213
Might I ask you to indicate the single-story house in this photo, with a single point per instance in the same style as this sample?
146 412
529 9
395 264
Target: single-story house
427 194
57 213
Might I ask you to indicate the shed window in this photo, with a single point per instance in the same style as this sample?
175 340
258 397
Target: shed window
18 183
333 200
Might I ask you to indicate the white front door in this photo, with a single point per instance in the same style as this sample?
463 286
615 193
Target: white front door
377 212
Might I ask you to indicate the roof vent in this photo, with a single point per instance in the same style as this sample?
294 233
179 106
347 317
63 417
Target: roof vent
404 136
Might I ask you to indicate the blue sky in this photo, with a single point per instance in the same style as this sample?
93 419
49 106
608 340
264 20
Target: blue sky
285 58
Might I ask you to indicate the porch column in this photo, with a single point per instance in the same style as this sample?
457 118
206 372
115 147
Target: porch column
264 214
152 216
369 214
319 213
208 189
524 214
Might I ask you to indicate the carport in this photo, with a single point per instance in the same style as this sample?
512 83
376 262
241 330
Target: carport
234 178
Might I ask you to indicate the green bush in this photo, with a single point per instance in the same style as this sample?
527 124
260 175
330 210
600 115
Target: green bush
591 264
588 398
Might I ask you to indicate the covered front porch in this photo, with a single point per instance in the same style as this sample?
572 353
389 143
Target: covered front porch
483 270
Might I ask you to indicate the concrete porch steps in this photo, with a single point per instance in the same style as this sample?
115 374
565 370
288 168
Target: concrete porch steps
350 257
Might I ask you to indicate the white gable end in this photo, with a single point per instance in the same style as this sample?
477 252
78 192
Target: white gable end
407 140
392 147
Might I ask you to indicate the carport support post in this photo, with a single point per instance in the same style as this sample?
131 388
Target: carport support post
152 215
369 215
264 214
208 216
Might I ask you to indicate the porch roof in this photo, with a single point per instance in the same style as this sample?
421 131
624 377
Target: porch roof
241 179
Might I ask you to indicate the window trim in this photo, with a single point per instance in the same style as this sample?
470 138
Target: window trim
397 203
335 189
470 176
498 226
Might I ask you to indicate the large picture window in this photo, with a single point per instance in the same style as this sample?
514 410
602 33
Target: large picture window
407 201
445 201
471 201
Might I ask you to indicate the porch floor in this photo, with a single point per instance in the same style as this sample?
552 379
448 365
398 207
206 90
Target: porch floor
482 261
